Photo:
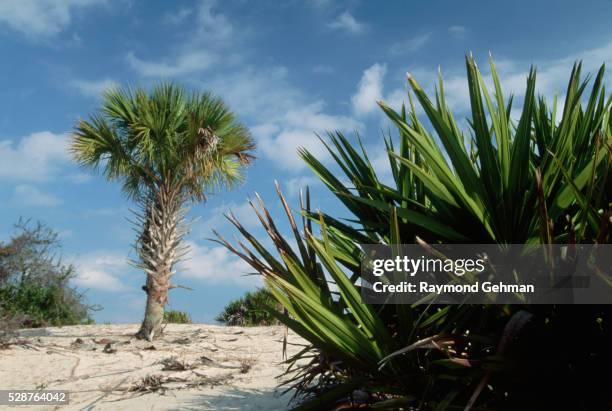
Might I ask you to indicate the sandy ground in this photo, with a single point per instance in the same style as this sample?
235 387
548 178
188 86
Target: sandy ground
104 368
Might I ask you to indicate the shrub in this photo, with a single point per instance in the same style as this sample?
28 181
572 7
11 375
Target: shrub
35 284
176 317
40 305
543 179
250 310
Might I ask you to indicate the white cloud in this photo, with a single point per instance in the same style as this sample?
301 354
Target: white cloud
79 178
457 31
92 88
187 63
380 161
282 117
552 78
285 145
212 26
553 75
311 116
178 16
36 157
265 130
217 265
348 23
27 195
254 92
211 31
411 45
397 97
299 128
40 18
370 89
243 212
101 271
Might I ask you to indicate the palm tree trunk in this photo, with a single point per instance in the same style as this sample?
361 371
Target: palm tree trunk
151 326
159 248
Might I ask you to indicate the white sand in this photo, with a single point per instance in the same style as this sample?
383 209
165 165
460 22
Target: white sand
101 381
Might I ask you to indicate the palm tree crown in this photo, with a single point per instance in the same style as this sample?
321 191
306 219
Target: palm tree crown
191 143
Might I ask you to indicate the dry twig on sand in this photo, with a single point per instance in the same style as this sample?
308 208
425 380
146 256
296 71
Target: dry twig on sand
157 383
153 383
174 364
246 364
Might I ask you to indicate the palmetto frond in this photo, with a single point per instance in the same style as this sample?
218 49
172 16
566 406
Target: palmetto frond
542 178
478 185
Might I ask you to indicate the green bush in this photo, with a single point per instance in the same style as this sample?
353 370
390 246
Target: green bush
176 317
35 289
40 305
249 310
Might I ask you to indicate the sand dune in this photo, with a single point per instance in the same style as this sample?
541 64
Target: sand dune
195 366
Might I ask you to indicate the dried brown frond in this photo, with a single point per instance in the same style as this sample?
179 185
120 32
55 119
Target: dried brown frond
174 364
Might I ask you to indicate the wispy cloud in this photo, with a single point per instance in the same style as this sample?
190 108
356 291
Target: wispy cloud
369 90
552 78
242 211
92 88
211 32
212 26
36 157
457 31
178 16
40 18
30 196
101 270
298 128
215 265
78 178
346 22
410 45
187 63
281 116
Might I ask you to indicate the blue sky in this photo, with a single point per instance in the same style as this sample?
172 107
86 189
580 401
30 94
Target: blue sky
288 70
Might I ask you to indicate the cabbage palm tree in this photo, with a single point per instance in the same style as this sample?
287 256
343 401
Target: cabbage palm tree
169 149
